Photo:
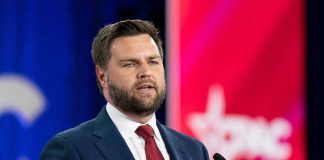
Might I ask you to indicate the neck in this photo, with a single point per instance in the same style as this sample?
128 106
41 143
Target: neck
139 118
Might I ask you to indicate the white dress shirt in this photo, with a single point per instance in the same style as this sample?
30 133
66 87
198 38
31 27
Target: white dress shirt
135 143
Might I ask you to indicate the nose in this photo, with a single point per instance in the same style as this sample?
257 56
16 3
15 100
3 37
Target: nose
144 72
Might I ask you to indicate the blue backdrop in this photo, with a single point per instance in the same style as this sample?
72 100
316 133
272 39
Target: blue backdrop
47 78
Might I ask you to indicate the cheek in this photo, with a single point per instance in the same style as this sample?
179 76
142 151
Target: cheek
123 81
161 79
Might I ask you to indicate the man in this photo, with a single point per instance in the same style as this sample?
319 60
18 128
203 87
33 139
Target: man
129 66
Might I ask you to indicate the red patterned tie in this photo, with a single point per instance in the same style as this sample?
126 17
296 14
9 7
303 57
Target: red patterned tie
151 149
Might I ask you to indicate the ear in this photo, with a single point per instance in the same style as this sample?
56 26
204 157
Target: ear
101 76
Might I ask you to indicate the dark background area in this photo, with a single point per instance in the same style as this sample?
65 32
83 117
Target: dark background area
315 79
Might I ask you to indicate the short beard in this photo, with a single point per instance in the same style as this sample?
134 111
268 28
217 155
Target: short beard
128 103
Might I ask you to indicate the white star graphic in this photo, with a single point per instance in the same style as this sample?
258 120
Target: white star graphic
204 125
238 135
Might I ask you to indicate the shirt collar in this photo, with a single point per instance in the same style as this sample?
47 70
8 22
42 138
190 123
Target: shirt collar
126 126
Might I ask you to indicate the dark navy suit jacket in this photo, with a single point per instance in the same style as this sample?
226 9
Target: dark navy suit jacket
99 139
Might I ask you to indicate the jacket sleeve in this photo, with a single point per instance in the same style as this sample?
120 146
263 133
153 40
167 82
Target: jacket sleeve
59 148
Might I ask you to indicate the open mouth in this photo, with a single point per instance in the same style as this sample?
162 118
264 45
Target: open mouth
143 87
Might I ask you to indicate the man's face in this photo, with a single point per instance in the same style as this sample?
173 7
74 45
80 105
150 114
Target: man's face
136 82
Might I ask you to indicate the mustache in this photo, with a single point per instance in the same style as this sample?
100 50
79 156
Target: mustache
140 82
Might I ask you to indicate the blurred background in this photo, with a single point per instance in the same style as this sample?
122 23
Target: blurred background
244 77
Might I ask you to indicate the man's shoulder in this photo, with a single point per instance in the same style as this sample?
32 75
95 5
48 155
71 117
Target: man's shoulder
80 132
184 145
72 143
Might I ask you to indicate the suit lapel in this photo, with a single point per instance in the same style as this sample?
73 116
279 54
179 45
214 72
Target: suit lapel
111 144
174 146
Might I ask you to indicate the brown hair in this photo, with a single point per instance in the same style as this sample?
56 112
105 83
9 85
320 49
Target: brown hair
102 42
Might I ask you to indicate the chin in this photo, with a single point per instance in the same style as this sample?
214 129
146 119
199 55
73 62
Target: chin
146 97
148 102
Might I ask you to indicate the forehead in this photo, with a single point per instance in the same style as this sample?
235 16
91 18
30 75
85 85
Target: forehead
134 46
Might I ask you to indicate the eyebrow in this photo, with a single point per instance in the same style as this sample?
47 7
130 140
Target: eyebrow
128 60
154 57
134 59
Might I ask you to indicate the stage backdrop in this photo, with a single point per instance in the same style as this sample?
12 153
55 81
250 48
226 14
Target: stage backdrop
47 78
236 75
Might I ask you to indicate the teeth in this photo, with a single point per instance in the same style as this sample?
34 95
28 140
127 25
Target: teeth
145 87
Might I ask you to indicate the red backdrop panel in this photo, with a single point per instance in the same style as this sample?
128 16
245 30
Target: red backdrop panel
236 76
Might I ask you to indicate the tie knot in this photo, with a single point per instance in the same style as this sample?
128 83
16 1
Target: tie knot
145 131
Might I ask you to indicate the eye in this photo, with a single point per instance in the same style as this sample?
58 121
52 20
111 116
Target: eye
129 65
153 62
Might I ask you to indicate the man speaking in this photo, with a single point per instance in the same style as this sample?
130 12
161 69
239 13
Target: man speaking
129 66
